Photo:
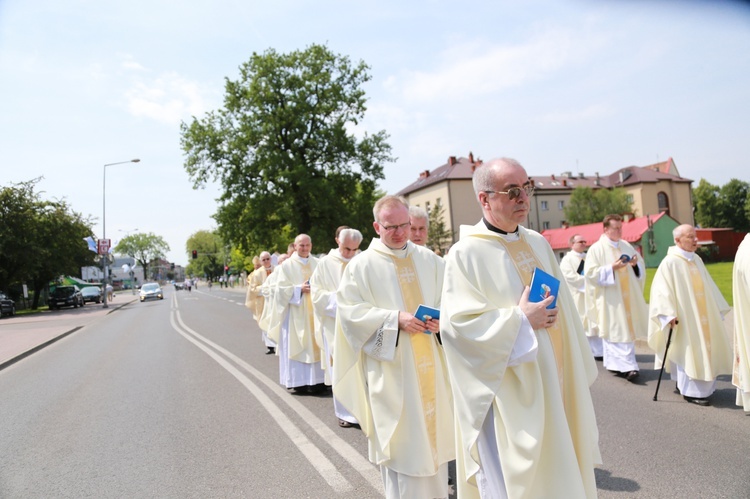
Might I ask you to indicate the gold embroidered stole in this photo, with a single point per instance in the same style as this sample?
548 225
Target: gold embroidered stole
525 261
421 345
700 302
623 281
307 272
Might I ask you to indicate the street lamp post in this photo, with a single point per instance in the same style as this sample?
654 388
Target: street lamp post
105 258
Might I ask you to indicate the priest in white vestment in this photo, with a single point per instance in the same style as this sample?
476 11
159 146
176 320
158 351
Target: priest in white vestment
323 284
571 266
270 319
299 353
741 296
419 219
389 365
520 372
614 298
255 296
685 299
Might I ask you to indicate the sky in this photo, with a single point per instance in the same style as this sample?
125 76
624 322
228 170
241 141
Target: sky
561 85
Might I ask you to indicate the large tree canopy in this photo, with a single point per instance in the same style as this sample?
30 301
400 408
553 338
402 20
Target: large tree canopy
284 149
725 206
589 205
40 240
145 248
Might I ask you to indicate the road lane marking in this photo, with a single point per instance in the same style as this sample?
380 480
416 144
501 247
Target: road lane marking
358 462
315 456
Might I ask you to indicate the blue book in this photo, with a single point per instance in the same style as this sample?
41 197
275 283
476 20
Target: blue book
542 286
424 313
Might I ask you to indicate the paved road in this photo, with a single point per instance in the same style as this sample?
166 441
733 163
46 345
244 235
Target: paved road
177 399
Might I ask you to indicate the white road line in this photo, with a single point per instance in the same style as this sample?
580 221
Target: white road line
317 459
358 462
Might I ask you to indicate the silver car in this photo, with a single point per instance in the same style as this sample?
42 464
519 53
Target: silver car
151 291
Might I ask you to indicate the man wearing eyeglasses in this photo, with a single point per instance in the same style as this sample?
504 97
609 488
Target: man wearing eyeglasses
255 294
614 298
299 353
571 266
520 371
389 365
323 284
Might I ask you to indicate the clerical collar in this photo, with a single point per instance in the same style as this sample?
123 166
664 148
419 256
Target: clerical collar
498 230
689 255
614 244
579 255
303 260
342 256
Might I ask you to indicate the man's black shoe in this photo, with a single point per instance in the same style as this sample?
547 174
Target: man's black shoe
598 358
631 375
697 401
271 351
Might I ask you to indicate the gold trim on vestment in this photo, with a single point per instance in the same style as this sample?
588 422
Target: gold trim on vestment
525 261
421 344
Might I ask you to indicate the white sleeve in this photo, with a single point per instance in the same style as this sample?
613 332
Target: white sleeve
526 346
382 343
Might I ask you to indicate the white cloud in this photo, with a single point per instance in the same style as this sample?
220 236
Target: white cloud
169 99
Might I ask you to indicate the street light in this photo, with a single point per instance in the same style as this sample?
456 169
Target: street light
104 223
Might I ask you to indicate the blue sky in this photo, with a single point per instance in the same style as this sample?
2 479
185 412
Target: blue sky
566 85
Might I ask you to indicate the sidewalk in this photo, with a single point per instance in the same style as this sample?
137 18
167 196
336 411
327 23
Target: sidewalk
22 335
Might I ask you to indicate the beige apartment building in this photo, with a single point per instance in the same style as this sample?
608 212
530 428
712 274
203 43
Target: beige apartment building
652 189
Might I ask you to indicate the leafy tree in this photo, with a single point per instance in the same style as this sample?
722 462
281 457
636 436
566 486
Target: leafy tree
145 248
40 240
438 236
727 206
284 149
211 254
707 204
589 205
732 199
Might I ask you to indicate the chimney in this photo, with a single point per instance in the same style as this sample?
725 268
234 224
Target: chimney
424 174
471 157
451 160
552 176
565 182
622 177
597 182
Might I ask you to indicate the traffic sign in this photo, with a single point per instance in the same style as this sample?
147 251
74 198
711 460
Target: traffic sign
103 246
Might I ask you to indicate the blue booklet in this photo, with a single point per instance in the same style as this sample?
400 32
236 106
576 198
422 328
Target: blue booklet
542 286
424 313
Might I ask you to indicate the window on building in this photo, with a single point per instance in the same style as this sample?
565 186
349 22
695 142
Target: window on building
427 206
630 198
545 225
560 205
663 201
545 207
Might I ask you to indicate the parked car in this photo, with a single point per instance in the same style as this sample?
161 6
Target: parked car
7 306
66 296
92 293
151 291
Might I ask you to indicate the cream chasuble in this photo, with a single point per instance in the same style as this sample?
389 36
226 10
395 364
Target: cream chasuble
401 399
741 294
302 345
619 310
700 342
577 286
546 436
255 300
269 319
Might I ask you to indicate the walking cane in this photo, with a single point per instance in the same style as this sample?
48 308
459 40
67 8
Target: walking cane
664 360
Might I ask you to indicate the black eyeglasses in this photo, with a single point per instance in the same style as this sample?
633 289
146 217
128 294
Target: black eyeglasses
515 192
394 228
